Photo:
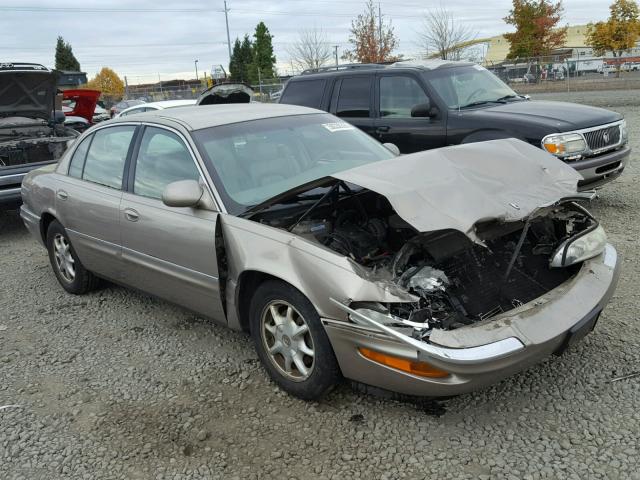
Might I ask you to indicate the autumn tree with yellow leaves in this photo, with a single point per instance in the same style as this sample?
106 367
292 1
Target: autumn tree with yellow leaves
619 33
108 82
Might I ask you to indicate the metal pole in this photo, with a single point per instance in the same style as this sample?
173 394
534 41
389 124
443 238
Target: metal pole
196 63
126 87
226 19
380 59
335 47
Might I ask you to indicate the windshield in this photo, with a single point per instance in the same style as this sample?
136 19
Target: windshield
462 87
253 161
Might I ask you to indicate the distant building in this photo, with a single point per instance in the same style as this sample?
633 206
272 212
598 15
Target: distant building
68 80
575 46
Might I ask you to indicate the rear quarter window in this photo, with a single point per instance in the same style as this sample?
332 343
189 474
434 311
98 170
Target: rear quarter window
306 93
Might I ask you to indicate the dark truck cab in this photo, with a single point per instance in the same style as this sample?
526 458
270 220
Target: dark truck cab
32 130
430 104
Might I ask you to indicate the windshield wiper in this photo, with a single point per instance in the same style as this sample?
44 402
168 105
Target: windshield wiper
507 97
479 102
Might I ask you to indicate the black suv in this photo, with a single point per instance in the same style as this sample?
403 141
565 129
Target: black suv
430 104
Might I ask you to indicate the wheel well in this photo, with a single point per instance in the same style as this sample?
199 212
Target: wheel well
248 282
45 221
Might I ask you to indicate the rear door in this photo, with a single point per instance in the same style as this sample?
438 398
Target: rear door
352 100
168 251
396 95
88 198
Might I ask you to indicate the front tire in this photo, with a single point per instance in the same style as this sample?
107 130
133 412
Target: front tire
291 342
66 265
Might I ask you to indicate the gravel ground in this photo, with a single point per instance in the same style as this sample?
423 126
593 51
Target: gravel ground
116 385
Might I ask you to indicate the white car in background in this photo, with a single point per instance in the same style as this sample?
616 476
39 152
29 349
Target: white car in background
147 107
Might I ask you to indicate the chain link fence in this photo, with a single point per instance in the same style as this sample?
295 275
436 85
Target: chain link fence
191 89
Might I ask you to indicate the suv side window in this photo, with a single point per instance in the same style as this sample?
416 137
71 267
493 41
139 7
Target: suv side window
77 161
354 99
398 95
163 158
107 154
306 93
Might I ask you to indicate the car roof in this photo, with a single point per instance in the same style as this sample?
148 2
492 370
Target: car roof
196 117
168 103
423 65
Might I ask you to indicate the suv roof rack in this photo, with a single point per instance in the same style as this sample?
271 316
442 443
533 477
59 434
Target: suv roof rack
22 66
345 66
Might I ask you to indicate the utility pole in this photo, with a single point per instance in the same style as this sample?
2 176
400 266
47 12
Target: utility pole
226 19
380 31
126 87
335 48
196 63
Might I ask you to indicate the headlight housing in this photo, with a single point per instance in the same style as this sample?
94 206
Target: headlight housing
563 144
624 133
580 248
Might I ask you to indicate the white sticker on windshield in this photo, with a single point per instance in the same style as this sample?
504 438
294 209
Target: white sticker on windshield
338 126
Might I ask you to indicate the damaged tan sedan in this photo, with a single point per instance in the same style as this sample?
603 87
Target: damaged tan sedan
431 274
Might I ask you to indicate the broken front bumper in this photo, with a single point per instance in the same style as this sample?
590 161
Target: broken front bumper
481 354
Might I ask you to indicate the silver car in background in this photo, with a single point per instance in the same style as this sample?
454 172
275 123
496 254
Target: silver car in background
434 273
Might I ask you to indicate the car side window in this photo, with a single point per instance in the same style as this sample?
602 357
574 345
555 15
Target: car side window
77 161
163 158
354 99
306 93
107 154
134 111
398 95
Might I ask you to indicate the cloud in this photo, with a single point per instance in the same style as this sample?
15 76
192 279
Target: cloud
147 38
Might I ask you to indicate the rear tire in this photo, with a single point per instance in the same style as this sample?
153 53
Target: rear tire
291 342
66 265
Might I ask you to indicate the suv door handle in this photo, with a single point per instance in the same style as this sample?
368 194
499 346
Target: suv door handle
383 129
131 215
62 195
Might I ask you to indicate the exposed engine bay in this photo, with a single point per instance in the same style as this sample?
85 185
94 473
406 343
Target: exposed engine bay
27 140
455 281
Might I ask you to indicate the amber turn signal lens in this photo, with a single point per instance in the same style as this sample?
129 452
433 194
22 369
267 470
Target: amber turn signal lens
554 148
416 368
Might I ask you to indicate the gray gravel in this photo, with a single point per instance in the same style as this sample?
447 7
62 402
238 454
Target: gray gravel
116 385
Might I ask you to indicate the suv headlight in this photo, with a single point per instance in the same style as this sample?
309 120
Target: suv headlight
624 133
580 248
564 144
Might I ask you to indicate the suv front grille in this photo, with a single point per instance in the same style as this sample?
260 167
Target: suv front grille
603 138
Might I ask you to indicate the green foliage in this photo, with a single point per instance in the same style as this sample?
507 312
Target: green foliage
264 61
241 60
234 63
537 32
65 60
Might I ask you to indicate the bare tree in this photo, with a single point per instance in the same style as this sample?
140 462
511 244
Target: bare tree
444 36
311 50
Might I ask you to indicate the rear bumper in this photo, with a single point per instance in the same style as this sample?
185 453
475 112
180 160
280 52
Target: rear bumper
482 354
11 181
602 169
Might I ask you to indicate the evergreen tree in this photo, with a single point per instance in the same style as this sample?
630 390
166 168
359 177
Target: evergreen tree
263 65
65 60
246 59
234 64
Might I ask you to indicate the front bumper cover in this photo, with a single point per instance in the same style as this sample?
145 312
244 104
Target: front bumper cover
483 353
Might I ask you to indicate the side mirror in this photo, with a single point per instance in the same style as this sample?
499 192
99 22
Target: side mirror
392 147
424 110
183 193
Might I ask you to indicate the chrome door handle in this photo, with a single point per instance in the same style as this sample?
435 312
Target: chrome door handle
383 129
62 195
131 215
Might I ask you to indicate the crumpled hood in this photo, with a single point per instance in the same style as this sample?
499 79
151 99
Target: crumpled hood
224 93
457 187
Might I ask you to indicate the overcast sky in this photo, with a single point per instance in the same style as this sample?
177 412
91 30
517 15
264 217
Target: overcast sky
144 38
